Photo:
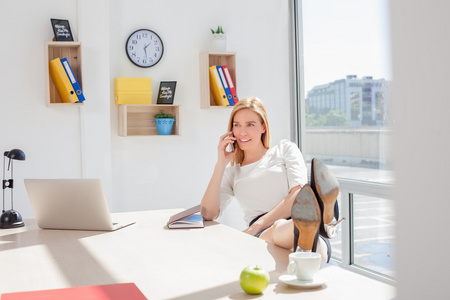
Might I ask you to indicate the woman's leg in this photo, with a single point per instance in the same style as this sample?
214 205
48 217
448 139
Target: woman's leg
281 233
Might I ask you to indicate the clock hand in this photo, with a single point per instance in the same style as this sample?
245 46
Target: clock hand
145 49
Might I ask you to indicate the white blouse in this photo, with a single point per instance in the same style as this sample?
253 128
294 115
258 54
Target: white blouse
260 186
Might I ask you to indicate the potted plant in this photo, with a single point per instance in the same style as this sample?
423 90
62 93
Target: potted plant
218 31
219 41
164 122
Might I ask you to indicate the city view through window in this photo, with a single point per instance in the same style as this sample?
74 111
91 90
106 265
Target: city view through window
347 77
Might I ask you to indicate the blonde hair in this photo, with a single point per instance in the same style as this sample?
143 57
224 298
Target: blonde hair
255 105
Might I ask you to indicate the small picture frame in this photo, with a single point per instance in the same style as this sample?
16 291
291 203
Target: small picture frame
61 29
166 92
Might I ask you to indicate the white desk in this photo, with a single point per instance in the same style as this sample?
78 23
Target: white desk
164 264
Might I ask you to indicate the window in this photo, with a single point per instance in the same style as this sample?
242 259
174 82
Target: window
355 101
344 99
373 234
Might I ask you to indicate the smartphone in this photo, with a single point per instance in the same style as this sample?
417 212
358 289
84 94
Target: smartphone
232 144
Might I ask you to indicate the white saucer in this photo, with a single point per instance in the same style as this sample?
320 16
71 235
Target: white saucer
292 280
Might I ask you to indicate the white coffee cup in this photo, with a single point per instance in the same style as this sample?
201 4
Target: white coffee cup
304 265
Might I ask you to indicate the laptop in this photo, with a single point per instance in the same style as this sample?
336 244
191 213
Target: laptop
78 204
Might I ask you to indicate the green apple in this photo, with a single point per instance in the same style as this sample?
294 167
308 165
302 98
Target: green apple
254 280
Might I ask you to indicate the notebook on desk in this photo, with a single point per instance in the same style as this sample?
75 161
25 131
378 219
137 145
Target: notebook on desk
78 204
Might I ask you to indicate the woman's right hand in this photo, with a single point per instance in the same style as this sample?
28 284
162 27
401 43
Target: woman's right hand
210 206
224 157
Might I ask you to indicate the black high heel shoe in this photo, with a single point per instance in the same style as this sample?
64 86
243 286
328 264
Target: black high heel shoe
306 219
326 189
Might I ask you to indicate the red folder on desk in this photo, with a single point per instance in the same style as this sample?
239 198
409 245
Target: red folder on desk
118 291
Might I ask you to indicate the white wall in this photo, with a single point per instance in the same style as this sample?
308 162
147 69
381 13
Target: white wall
50 137
147 172
421 64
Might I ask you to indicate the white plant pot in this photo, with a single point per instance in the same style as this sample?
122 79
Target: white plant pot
219 42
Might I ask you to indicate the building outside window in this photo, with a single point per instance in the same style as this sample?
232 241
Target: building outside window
345 106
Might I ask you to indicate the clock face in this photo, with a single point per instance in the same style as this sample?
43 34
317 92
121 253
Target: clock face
144 48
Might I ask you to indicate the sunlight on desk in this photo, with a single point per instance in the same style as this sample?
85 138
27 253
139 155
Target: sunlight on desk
164 264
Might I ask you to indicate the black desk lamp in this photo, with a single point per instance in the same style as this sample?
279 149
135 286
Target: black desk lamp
10 218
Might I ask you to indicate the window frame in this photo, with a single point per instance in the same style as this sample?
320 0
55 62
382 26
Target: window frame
348 187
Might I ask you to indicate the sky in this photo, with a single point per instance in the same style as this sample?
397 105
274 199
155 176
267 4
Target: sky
345 37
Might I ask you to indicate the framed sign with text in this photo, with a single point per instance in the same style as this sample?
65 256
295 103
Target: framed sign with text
166 92
61 29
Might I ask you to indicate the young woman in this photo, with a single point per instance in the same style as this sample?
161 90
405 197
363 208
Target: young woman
267 183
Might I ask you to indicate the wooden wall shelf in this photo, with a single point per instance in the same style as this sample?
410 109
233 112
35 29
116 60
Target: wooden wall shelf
208 59
72 51
138 119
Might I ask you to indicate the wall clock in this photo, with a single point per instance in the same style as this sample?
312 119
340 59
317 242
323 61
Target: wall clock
144 48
